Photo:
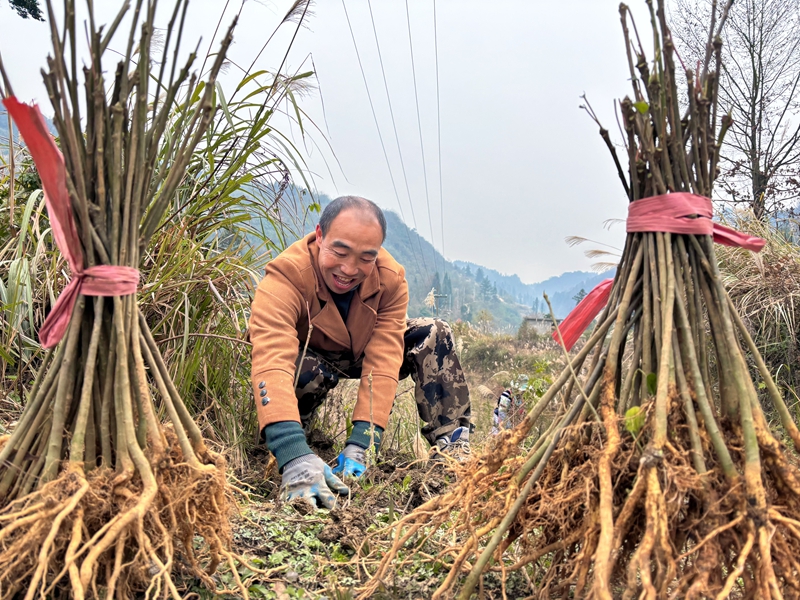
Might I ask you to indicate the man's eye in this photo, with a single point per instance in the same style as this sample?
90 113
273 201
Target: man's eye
339 254
369 260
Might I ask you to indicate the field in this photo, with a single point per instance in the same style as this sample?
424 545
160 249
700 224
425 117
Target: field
326 554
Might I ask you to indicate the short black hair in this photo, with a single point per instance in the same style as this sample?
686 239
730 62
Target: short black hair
345 202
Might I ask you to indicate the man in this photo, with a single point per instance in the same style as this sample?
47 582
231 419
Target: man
331 306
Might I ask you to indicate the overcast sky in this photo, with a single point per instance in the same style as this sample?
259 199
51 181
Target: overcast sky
521 166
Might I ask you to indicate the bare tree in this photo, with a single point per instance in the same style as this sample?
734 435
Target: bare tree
759 86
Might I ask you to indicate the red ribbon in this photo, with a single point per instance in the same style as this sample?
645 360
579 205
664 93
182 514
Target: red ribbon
578 320
679 212
682 212
101 280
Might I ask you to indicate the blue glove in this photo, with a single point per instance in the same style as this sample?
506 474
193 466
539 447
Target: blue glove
352 461
308 477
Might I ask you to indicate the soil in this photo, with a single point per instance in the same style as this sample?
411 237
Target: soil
275 532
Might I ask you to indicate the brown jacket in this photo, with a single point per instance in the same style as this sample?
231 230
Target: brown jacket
376 322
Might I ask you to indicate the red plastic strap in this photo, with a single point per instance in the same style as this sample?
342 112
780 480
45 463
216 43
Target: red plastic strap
679 212
101 280
682 212
578 320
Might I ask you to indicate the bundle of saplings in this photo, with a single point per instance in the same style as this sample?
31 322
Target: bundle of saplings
106 485
660 476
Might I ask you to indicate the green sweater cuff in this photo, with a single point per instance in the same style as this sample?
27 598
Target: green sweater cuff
360 435
286 440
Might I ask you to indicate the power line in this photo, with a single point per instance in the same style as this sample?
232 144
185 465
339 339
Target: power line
380 136
419 128
394 127
439 135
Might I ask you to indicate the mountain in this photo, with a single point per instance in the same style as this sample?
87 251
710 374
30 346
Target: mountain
4 130
562 289
462 290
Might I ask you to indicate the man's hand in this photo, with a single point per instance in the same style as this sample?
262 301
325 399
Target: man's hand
310 478
352 461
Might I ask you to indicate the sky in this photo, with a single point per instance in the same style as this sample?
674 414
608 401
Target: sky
522 167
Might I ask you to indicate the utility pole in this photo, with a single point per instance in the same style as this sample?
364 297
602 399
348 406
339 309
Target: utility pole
436 297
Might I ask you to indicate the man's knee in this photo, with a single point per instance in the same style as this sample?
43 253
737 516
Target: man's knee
315 382
428 331
315 378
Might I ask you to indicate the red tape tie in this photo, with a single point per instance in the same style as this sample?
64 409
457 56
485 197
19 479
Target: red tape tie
679 212
578 320
101 280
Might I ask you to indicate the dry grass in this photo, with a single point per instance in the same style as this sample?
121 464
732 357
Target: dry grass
765 287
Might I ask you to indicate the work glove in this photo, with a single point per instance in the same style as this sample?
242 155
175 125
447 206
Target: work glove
352 461
308 477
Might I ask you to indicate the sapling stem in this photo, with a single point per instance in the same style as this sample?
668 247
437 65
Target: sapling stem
566 354
183 439
107 402
15 473
656 296
607 403
173 398
305 346
155 434
667 268
688 409
77 448
66 386
647 318
689 357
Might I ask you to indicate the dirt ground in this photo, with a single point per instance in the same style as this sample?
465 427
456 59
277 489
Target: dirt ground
311 553
318 554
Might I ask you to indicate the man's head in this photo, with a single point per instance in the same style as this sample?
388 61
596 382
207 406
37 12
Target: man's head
349 234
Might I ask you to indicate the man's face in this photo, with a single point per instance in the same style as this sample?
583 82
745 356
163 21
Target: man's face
348 252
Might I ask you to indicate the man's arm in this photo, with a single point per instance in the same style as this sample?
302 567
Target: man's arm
277 308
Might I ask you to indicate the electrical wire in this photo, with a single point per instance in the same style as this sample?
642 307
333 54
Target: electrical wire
439 136
396 136
419 128
380 136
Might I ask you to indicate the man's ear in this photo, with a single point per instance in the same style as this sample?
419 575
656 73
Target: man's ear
319 234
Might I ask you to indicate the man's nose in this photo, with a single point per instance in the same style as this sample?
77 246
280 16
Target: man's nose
348 268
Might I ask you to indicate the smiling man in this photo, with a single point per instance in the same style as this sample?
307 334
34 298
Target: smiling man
332 306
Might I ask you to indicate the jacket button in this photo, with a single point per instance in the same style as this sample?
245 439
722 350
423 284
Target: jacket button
261 385
264 401
263 393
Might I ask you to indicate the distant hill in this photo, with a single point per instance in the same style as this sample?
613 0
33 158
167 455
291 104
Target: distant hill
561 289
464 289
4 129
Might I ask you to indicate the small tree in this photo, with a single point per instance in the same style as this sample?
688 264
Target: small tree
484 320
486 290
579 296
437 284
